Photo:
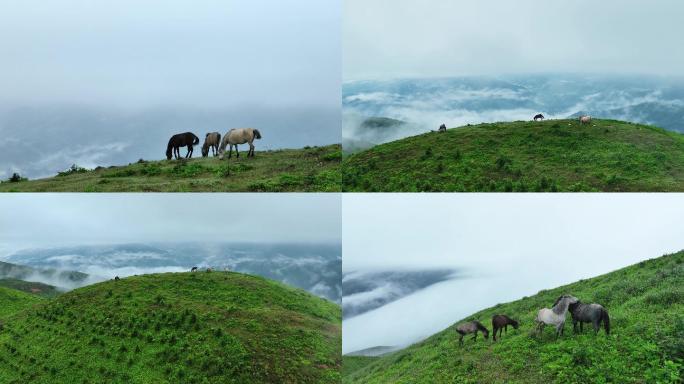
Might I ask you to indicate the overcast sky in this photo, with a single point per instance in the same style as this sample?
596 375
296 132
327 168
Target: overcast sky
505 245
207 53
481 231
41 220
400 38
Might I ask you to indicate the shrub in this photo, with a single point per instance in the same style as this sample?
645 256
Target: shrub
15 178
72 170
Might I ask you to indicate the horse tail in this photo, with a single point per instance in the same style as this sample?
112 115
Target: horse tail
257 134
606 321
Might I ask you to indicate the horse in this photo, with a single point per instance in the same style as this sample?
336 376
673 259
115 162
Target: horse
116 278
556 315
471 327
211 140
501 322
239 136
442 128
538 116
589 313
181 140
193 269
585 119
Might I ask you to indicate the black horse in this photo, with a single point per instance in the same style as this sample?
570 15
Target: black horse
187 139
193 269
589 313
501 322
442 128
539 116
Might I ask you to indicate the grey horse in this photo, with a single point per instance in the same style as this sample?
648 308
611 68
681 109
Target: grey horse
589 313
471 327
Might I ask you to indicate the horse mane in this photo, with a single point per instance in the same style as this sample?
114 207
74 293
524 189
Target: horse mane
169 146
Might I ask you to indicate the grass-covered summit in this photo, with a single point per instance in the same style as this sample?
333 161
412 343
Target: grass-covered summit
646 343
553 155
201 327
315 169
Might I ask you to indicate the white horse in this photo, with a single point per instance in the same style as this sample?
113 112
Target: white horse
239 136
585 119
556 315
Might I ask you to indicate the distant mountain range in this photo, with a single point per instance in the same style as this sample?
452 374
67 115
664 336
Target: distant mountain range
315 268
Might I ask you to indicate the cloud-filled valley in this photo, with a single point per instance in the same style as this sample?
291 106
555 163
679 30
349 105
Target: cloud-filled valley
315 268
424 104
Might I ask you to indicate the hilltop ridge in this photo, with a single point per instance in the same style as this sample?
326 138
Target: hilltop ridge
551 155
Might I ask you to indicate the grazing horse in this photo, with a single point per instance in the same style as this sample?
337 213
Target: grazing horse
193 269
239 136
501 322
211 140
589 313
538 116
181 140
442 128
556 315
471 327
585 119
116 278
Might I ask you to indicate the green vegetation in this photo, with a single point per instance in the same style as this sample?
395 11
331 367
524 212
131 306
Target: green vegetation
203 327
315 169
34 288
13 301
352 364
553 155
646 344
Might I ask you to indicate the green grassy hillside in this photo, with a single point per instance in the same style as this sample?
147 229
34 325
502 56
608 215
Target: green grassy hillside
33 288
13 301
554 155
646 345
217 327
308 169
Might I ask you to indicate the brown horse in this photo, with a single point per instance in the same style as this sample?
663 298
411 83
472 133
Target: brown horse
500 323
211 140
181 140
471 327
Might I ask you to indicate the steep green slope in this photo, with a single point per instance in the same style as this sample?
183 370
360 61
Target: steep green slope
13 301
351 364
646 345
307 169
217 327
34 288
554 155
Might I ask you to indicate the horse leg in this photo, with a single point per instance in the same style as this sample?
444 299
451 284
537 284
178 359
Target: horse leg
237 154
581 327
460 340
506 328
230 150
597 325
251 148
475 336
